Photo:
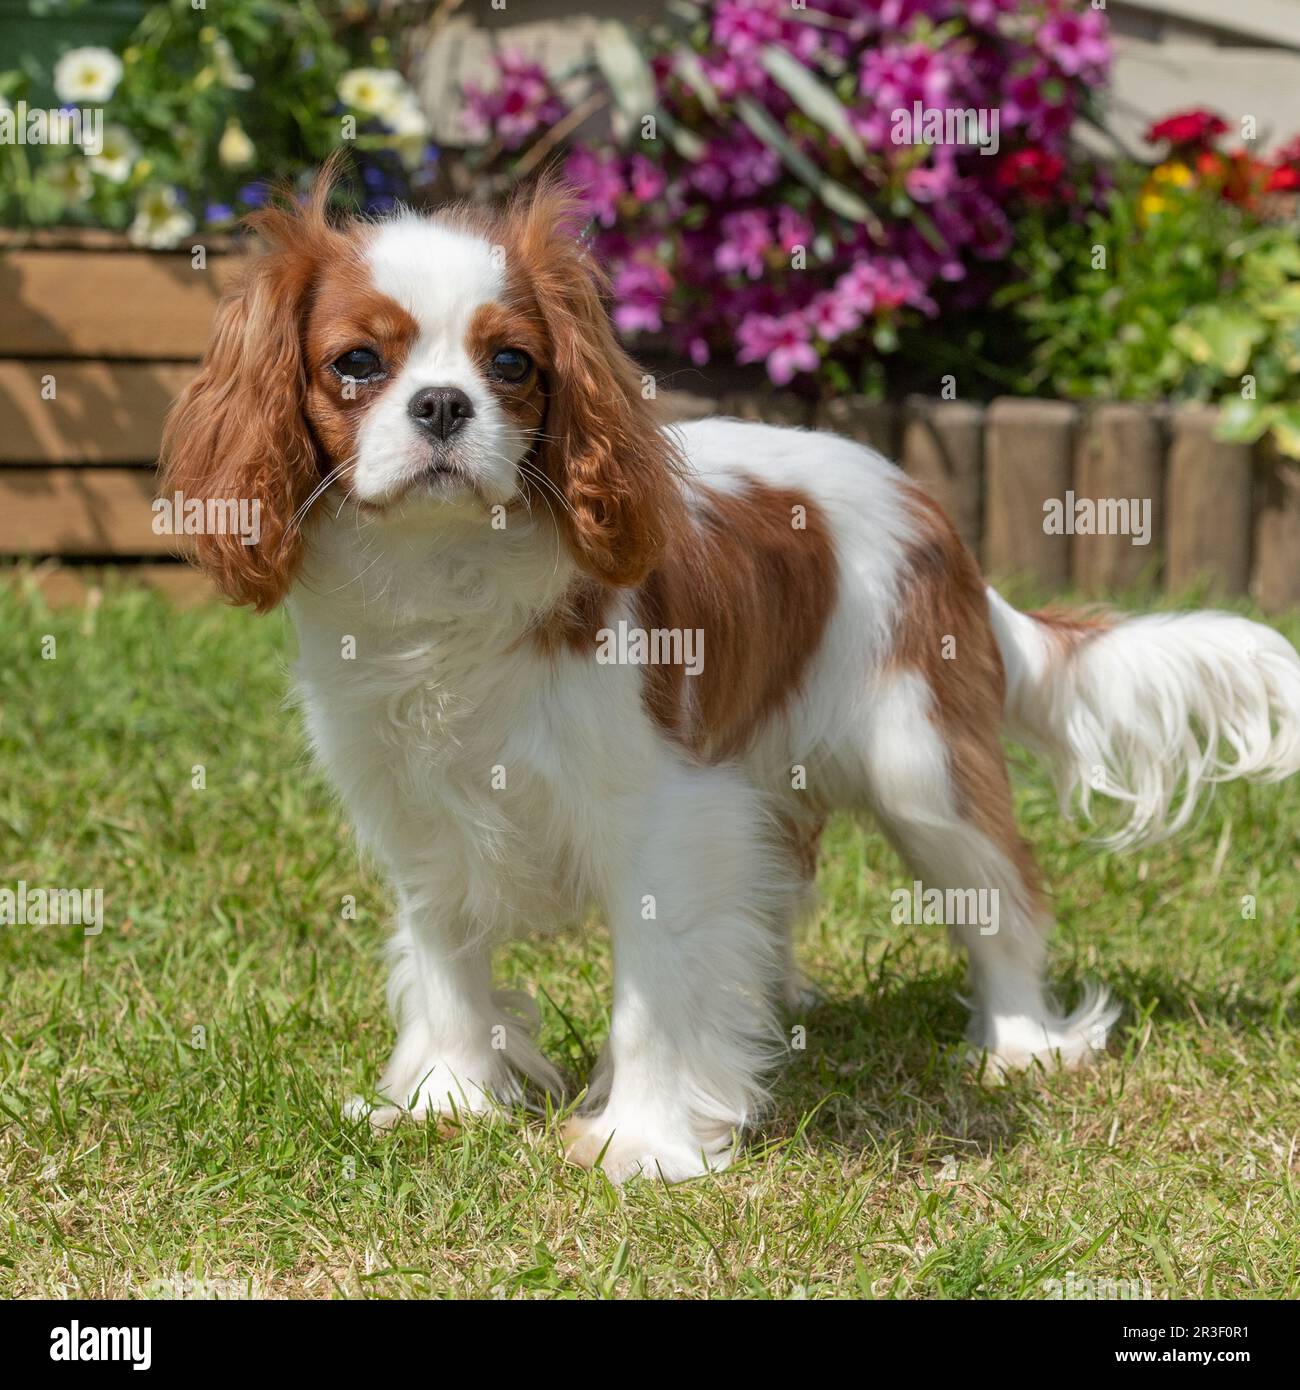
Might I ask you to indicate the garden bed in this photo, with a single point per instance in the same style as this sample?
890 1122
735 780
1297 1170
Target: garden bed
115 333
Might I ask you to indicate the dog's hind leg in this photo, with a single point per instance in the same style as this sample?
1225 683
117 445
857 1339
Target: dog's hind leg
941 793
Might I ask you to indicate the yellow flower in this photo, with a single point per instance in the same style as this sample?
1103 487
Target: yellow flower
1151 205
1175 173
235 150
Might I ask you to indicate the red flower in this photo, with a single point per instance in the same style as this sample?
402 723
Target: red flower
1240 177
1284 177
1197 127
1034 174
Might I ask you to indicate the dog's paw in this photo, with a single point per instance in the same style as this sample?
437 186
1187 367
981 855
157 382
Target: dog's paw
623 1153
383 1117
1012 1043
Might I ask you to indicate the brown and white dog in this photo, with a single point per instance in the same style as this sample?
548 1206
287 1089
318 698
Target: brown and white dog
553 654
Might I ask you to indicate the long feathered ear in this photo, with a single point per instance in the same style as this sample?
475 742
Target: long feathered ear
602 445
238 432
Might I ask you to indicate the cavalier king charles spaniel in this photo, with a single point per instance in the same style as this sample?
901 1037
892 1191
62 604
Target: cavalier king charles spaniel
555 655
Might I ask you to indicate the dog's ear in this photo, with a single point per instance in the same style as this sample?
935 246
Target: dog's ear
602 446
238 432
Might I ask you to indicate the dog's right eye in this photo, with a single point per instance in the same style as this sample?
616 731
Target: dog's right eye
358 365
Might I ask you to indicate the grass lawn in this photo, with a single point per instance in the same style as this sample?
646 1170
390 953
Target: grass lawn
170 1089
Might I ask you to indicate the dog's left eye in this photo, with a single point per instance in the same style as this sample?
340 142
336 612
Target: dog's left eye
358 365
511 365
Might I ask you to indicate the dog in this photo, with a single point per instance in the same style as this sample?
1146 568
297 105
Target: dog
554 654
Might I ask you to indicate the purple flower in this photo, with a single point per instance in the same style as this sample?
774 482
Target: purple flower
523 103
597 180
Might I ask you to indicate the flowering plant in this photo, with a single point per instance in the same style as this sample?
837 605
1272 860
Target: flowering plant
795 186
188 113
1184 281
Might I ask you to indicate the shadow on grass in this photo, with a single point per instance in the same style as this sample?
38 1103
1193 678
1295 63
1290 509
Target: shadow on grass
888 1072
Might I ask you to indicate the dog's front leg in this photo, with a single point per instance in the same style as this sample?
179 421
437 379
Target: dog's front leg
697 963
462 1047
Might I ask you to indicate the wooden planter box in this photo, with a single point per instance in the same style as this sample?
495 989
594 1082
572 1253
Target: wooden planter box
96 339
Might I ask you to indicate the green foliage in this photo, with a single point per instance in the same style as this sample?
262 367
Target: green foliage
1166 290
200 114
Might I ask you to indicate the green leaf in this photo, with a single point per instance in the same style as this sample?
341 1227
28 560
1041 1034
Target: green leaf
1219 335
1242 421
1286 430
626 71
815 100
834 195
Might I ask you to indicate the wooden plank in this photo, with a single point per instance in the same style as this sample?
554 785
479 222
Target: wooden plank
768 407
1275 584
943 450
1027 462
65 586
79 511
98 239
1121 455
1208 505
874 423
151 305
101 412
681 406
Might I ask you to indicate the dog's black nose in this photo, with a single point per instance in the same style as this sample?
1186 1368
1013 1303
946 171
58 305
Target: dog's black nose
441 410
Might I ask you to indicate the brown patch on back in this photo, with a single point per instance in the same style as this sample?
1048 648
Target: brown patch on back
761 591
944 597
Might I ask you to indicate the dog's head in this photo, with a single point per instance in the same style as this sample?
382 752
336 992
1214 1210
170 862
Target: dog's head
413 366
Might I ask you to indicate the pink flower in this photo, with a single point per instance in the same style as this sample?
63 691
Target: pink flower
792 229
523 103
831 316
782 341
1077 42
741 26
597 180
640 288
746 237
645 179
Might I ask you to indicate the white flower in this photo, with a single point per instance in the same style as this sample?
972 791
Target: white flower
117 156
406 118
87 75
411 127
160 221
70 179
235 150
229 73
376 91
